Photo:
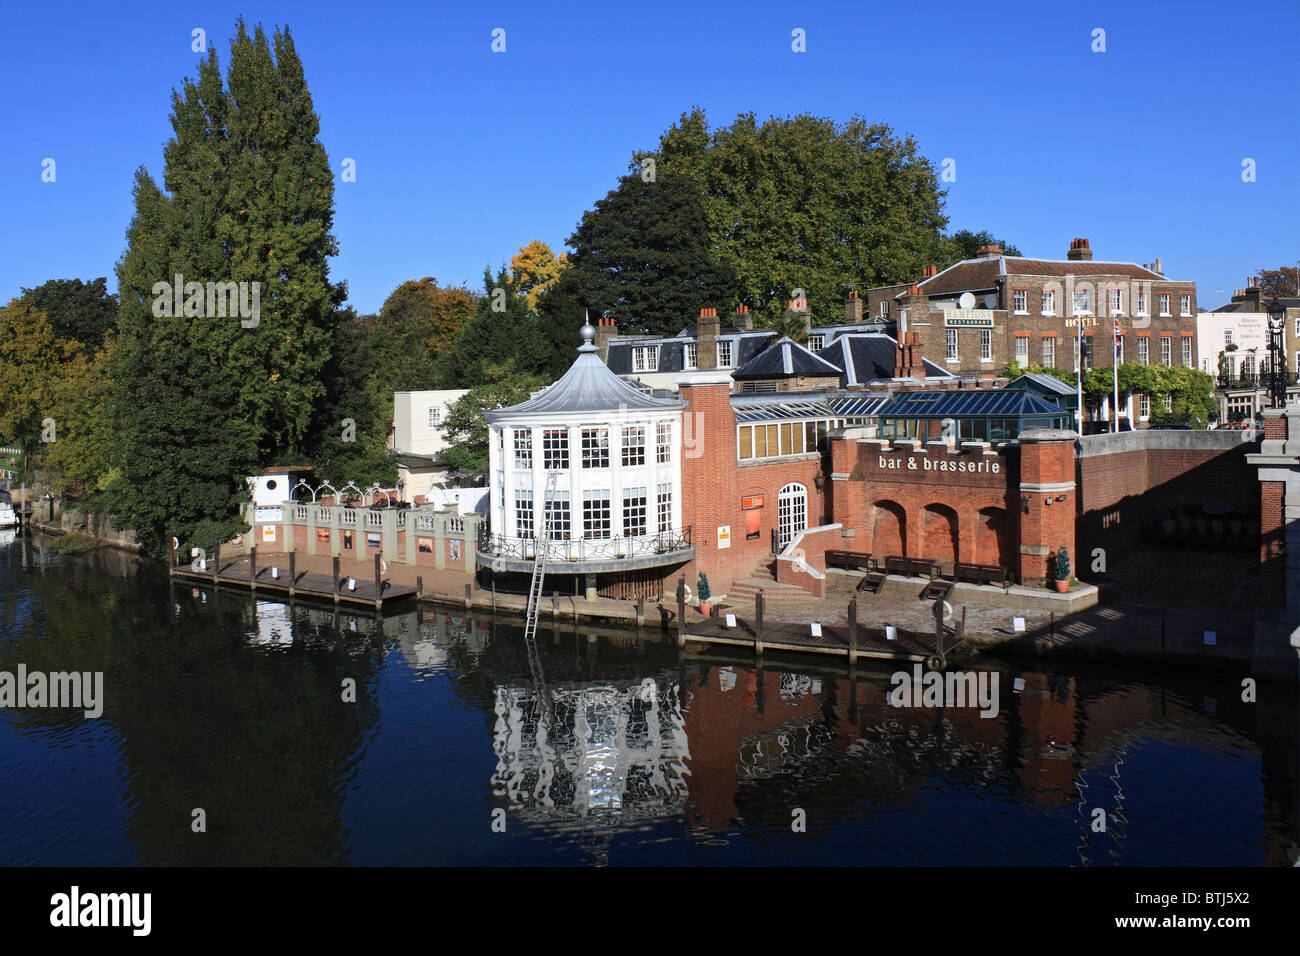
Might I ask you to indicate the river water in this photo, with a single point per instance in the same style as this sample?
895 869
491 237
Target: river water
232 715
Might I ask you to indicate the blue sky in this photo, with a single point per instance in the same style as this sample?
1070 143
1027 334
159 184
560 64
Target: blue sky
464 155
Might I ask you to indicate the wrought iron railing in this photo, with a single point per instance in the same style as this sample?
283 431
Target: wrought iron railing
588 549
1255 379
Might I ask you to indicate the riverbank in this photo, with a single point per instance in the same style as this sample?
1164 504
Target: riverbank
1122 632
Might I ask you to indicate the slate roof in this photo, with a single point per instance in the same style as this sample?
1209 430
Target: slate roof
785 358
868 357
588 386
972 404
745 345
982 275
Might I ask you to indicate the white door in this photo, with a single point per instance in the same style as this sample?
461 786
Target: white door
791 513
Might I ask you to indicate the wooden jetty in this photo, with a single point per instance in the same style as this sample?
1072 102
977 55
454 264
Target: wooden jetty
850 640
243 572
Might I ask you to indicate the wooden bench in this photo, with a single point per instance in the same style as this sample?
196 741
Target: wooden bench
983 574
909 567
850 560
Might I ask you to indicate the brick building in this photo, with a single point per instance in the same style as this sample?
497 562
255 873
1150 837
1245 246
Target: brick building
977 316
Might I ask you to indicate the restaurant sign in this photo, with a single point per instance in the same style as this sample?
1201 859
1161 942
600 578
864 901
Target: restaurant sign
968 318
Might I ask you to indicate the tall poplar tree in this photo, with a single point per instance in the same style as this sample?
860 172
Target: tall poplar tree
202 399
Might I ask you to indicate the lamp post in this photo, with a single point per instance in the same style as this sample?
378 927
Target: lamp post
1078 362
400 485
1276 344
1114 370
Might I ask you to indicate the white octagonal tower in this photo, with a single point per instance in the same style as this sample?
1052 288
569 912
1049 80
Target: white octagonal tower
615 452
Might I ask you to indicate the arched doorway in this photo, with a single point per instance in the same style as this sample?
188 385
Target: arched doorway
791 513
889 529
939 534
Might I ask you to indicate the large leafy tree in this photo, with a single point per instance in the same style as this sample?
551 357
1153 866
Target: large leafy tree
536 269
31 357
1283 281
501 334
806 203
644 257
81 311
200 400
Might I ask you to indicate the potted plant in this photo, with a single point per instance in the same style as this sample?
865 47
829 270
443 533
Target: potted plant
1060 568
704 593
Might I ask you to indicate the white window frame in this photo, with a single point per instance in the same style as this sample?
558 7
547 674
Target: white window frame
663 443
1049 302
986 345
1082 302
595 446
524 448
950 342
1227 333
1022 354
816 342
664 506
1144 350
632 510
632 446
1164 303
1020 301
555 449
1167 350
1116 301
1184 303
597 519
725 353
1144 405
1187 351
645 358
435 416
1049 351
1141 302
524 515
691 356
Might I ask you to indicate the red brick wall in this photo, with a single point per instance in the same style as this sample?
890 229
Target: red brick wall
713 483
1045 528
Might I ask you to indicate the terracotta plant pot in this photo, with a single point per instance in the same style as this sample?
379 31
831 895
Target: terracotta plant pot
706 607
1061 586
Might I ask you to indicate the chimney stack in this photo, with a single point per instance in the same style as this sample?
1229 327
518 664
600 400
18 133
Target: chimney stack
799 307
853 309
706 349
1251 293
1079 251
1160 265
909 363
929 272
988 252
742 319
605 330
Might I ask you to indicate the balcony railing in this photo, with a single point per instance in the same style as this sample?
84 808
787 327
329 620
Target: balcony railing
1254 380
588 549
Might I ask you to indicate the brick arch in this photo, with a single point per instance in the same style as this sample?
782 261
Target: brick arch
940 535
888 528
995 537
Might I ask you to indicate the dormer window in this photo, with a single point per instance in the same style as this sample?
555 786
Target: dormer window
724 354
645 358
816 343
690 356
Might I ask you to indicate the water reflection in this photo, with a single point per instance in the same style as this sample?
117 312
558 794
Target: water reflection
599 747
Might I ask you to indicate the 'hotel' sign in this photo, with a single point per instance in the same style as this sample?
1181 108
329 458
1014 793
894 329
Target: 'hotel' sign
968 318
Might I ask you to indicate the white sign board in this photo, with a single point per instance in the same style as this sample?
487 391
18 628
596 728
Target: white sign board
724 537
1018 624
264 515
891 632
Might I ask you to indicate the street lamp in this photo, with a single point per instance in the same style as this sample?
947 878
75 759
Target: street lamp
400 485
1276 345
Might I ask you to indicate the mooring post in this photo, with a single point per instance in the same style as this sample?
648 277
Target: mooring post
555 608
379 584
468 599
171 562
293 570
758 623
681 611
216 564
252 567
640 611
853 629
419 587
962 634
494 593
336 579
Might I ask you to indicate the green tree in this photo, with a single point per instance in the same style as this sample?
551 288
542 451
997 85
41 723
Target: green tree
81 311
643 256
805 203
200 400
80 460
1282 282
466 430
31 357
965 244
500 334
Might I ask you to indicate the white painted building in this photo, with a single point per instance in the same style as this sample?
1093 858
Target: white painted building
1216 332
615 452
417 442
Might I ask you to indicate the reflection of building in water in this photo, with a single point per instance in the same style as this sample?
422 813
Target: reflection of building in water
578 750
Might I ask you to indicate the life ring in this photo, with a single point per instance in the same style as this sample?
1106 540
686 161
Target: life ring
935 662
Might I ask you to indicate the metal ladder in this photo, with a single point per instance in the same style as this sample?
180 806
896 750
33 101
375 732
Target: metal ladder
539 561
